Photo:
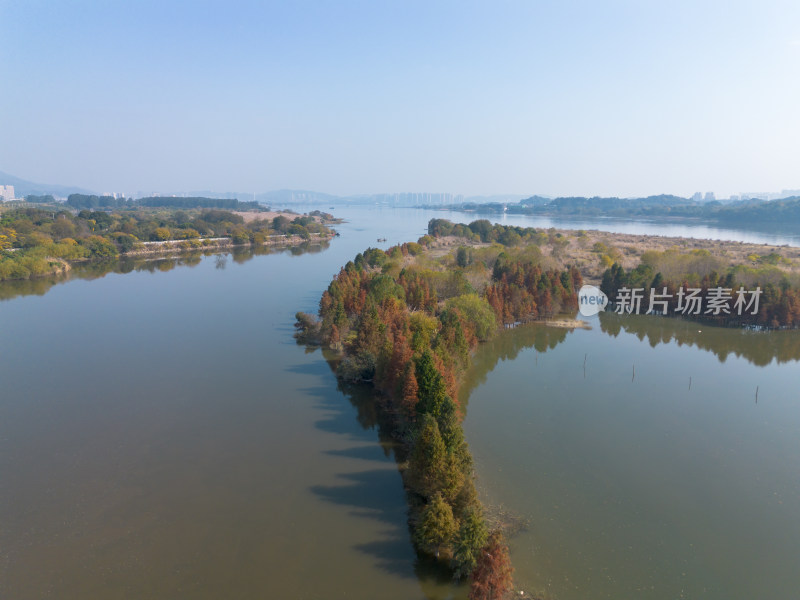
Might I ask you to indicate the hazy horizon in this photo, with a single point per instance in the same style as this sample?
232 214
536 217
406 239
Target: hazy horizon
577 99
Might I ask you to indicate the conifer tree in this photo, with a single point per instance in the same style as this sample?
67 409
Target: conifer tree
431 386
436 527
469 540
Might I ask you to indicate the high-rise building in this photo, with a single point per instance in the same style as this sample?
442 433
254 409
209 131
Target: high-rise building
6 192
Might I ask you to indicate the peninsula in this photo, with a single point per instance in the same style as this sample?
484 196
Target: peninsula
407 320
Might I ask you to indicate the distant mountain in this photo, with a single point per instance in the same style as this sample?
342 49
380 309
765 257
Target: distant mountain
22 187
595 206
785 211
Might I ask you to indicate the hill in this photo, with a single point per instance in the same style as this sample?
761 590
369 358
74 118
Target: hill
23 187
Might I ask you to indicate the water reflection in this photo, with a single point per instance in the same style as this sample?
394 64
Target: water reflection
364 491
360 490
759 348
507 346
750 232
39 286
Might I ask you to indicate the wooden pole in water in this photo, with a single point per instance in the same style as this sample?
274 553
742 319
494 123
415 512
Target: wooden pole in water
633 376
584 365
690 383
756 394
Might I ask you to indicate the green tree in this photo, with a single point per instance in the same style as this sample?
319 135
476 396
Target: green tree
100 247
126 242
436 526
431 388
280 224
240 235
62 227
384 286
449 426
483 228
464 256
161 234
478 312
423 328
431 467
451 336
428 459
471 537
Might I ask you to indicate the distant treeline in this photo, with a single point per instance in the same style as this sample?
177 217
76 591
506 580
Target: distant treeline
699 286
778 211
35 241
81 201
92 269
44 199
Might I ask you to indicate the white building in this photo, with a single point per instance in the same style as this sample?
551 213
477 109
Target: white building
6 192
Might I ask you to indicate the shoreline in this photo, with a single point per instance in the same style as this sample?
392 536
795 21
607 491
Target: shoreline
577 246
198 244
666 219
168 248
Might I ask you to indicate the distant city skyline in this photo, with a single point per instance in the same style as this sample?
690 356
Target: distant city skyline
620 98
320 196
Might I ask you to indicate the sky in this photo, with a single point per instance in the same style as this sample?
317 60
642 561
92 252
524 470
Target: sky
611 97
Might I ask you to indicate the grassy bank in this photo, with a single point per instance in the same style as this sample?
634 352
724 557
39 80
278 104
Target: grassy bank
39 241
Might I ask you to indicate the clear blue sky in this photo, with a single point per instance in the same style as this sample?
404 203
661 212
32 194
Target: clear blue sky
590 97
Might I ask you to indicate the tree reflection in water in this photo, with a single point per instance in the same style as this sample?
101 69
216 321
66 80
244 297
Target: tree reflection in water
39 286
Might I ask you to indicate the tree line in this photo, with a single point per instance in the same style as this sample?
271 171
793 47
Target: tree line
33 241
673 276
783 211
91 201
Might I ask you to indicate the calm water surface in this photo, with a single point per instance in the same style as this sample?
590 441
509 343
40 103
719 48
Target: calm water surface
640 487
162 436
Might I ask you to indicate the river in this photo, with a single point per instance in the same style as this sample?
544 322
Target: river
163 436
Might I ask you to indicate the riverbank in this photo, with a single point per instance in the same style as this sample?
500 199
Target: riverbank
171 248
586 249
730 283
34 240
